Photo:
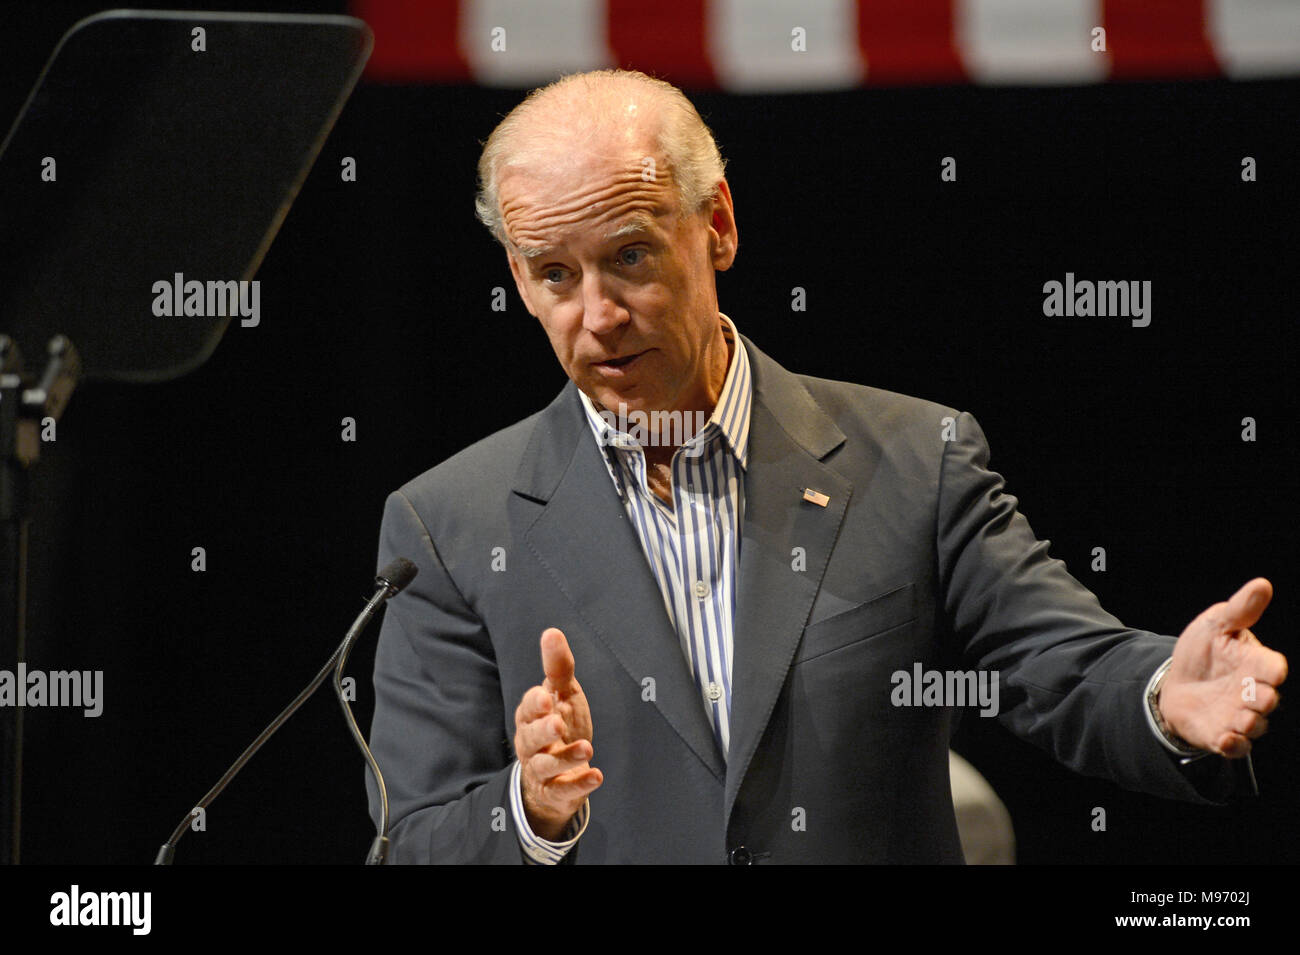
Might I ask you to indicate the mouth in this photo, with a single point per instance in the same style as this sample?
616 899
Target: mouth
618 366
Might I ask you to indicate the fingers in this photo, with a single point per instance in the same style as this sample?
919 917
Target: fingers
1266 699
536 735
535 704
569 760
1227 679
1246 606
556 712
1266 668
553 742
1245 725
537 724
1233 746
1271 667
1251 725
572 788
1260 674
557 660
557 777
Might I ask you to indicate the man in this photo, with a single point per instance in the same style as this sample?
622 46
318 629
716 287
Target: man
738 561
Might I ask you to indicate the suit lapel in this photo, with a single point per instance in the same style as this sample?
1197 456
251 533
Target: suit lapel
789 436
583 538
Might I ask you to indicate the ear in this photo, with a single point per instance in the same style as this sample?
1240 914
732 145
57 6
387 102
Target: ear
724 239
517 271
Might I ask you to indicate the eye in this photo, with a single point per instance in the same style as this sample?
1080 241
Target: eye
632 256
554 275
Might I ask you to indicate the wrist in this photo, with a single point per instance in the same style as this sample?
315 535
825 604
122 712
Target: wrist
547 827
1163 726
537 848
545 822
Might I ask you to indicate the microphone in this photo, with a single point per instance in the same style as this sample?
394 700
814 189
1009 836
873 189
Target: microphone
388 583
396 576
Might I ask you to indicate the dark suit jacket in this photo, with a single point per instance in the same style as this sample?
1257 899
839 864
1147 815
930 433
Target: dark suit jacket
920 556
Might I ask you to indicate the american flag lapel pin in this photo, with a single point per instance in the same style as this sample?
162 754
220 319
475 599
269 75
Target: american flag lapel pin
817 497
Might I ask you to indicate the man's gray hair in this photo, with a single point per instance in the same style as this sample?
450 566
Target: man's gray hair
695 164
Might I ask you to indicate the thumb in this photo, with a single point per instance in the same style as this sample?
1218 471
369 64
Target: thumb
557 660
1247 605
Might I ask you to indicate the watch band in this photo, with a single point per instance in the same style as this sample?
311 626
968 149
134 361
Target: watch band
1174 742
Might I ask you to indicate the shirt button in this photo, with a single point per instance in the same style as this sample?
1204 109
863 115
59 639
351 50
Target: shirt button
701 589
713 691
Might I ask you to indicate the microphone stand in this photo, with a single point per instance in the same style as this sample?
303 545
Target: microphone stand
389 582
379 847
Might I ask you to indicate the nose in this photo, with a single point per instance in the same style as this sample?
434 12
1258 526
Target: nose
602 312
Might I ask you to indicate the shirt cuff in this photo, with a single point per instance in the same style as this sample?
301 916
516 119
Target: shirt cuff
1149 707
539 851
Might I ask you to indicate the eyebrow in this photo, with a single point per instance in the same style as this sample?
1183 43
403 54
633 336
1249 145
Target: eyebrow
638 223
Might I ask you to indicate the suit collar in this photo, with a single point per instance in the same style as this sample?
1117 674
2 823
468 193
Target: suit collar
791 406
562 425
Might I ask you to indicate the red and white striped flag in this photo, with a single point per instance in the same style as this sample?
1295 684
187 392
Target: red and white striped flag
796 45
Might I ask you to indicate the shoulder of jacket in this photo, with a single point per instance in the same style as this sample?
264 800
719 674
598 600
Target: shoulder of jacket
486 466
889 410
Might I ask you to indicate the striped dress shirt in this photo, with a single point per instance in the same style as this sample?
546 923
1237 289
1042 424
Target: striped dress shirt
692 545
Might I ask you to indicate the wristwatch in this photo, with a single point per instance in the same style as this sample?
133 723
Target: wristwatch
1172 740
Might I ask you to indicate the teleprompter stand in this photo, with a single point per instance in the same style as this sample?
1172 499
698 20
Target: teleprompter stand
154 146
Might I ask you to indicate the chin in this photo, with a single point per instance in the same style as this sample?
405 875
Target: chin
611 400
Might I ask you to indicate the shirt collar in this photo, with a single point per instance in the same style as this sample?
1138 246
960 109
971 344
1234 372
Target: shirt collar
730 415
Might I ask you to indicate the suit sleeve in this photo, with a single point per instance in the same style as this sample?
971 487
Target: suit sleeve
1071 677
439 733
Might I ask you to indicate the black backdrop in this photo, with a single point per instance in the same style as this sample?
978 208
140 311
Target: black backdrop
376 305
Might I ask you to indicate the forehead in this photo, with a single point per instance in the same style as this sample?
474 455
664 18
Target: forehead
584 196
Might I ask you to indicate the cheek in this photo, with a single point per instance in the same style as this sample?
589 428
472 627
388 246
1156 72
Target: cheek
660 297
563 329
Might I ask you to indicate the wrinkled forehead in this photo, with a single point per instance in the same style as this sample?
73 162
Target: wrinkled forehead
554 196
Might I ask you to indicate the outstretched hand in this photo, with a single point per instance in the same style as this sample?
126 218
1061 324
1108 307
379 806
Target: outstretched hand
553 743
1223 682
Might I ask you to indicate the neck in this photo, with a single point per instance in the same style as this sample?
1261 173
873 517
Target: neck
718 361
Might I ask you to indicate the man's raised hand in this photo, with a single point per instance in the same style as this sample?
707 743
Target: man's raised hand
1223 681
553 743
